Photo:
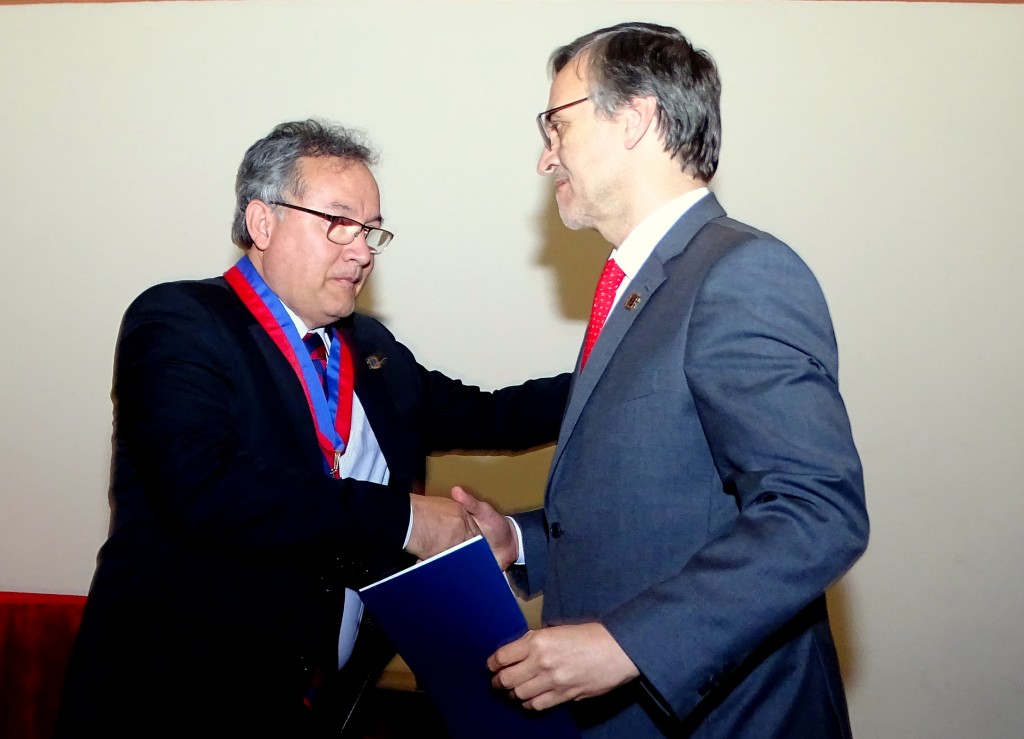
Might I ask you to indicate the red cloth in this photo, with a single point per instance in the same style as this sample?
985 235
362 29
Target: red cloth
37 631
604 296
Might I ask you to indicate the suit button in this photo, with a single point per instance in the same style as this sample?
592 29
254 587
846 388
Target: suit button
556 530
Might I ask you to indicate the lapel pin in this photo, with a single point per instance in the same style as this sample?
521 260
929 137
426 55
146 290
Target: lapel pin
376 361
632 301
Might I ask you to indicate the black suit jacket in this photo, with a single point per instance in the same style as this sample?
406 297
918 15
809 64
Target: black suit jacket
214 600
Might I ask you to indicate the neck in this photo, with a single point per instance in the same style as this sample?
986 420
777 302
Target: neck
647 194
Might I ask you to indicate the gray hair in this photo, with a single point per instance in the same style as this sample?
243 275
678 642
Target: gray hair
268 168
633 60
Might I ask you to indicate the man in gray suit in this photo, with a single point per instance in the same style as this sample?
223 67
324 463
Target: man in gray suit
706 489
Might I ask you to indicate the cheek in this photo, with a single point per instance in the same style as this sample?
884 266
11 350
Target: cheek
564 156
320 263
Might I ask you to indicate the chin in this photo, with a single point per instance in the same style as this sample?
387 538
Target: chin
572 221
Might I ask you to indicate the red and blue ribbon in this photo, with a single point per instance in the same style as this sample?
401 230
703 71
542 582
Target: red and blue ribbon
331 413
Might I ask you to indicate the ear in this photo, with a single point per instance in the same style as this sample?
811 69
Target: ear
260 220
639 117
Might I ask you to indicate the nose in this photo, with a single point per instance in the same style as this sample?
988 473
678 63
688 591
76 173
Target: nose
357 250
548 161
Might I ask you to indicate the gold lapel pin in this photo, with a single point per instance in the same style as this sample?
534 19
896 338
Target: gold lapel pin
632 301
376 361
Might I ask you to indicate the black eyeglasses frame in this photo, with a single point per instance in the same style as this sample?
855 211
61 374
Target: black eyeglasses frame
544 119
346 222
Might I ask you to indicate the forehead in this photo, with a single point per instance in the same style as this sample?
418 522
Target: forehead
569 84
340 180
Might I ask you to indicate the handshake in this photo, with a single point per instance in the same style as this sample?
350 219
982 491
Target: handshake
441 523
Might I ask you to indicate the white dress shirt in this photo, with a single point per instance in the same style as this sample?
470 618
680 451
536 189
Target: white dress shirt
362 460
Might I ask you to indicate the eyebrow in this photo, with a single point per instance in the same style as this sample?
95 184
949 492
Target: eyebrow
378 219
560 114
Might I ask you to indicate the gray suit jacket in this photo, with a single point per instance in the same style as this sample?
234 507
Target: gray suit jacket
705 492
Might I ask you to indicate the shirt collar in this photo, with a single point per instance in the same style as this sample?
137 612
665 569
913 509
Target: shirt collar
633 252
301 327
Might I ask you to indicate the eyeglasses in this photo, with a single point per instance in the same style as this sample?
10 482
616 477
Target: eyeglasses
344 230
544 119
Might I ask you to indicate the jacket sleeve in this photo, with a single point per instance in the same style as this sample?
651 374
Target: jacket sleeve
527 580
761 364
444 414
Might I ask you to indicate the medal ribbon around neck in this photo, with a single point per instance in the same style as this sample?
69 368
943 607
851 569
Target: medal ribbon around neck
332 415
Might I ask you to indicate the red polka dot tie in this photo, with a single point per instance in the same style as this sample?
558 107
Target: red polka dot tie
604 296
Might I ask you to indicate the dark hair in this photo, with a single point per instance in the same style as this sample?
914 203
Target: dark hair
268 168
633 60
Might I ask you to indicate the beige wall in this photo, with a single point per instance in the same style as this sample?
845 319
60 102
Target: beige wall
884 142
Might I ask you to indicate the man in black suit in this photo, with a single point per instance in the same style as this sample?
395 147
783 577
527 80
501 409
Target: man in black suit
257 482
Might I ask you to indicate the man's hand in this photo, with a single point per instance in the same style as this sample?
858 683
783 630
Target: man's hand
438 524
559 664
494 526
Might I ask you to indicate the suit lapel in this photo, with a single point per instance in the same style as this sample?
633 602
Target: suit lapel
289 389
647 280
374 395
634 301
372 391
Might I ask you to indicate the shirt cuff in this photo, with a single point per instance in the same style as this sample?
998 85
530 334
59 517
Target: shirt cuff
521 559
408 531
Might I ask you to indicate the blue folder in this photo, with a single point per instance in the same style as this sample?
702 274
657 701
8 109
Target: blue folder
446 615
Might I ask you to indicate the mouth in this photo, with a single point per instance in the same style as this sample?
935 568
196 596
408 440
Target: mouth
347 280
